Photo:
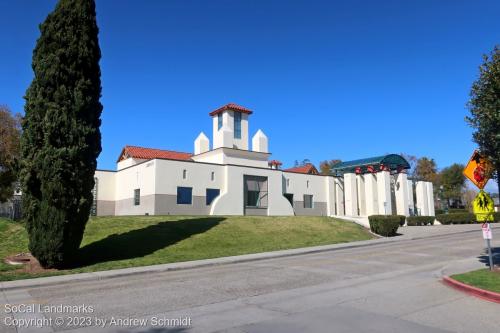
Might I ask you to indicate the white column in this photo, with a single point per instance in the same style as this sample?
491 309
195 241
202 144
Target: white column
360 180
339 196
384 193
430 199
371 194
330 190
402 194
411 202
350 194
422 202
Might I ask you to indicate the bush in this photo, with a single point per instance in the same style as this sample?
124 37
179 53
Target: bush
420 220
463 218
439 211
457 218
457 210
385 225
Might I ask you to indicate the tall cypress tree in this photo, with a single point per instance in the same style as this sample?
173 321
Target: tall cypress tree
61 137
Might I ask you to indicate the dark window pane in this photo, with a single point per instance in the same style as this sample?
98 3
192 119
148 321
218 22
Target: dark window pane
237 125
212 193
137 197
308 201
184 195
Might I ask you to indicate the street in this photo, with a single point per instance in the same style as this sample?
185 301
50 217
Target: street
391 287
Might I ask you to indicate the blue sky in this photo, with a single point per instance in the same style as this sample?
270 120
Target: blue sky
326 79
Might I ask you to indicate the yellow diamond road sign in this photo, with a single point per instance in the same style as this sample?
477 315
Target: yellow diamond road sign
483 207
478 170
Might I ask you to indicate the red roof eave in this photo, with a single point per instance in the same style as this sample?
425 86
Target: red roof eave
233 107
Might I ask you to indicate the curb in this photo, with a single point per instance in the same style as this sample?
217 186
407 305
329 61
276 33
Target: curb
116 273
474 291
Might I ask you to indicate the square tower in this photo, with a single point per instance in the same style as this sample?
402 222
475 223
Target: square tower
230 126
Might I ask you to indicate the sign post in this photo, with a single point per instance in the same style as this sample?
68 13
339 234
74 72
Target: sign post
478 170
487 235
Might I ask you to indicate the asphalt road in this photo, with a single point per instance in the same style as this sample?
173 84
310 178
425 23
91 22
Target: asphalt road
392 287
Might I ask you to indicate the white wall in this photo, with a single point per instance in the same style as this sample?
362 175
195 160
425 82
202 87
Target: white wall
384 193
106 185
430 199
402 194
422 203
350 194
228 122
298 186
169 175
231 200
141 177
234 156
371 194
128 162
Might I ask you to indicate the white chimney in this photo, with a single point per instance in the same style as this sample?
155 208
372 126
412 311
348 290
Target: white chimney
201 144
260 142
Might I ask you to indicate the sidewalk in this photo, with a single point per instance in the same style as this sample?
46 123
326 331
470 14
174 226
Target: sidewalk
407 233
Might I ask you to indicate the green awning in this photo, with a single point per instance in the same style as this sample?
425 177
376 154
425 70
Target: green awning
391 162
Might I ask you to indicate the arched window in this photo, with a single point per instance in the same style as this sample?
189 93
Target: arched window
184 174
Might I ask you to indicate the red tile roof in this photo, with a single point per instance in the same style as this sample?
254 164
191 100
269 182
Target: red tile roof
308 169
231 106
150 153
274 162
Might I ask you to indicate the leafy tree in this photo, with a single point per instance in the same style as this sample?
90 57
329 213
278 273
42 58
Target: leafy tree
484 107
426 170
412 160
326 166
302 163
453 182
10 134
61 139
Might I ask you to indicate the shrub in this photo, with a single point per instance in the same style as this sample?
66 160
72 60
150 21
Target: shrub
496 216
439 211
457 210
385 225
420 220
457 218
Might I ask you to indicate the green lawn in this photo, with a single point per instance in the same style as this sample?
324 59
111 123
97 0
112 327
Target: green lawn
483 278
119 242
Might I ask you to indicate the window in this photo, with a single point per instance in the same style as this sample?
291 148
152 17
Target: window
288 182
256 191
184 174
184 195
137 197
308 201
219 121
212 176
212 193
307 184
237 125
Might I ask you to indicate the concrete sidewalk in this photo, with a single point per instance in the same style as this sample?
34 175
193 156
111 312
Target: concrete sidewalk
407 233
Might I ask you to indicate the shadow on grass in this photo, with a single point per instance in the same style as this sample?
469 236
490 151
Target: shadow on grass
495 252
141 242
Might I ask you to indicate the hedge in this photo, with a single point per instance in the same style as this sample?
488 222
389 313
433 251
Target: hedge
420 220
462 218
385 225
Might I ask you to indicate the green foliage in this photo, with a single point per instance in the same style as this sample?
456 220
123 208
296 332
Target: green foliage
420 220
10 134
426 170
484 107
61 139
439 211
386 225
453 181
457 210
456 218
326 166
462 218
130 241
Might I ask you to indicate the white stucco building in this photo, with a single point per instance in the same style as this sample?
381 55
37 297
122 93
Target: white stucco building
231 178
